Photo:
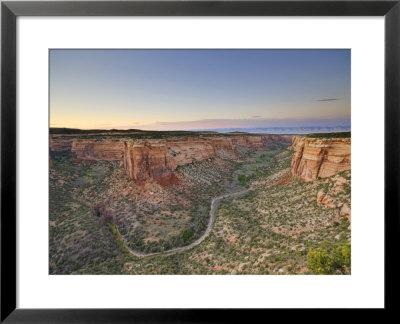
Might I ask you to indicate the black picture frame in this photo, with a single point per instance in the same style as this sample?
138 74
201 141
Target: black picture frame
10 10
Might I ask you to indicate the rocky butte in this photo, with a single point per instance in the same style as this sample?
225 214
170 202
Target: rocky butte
145 159
320 157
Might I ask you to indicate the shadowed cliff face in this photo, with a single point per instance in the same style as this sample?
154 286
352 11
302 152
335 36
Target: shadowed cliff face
144 160
91 149
157 159
323 158
59 145
106 150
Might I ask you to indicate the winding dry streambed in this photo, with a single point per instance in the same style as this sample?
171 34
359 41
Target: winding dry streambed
214 205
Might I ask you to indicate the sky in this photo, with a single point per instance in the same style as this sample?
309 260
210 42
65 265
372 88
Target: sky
199 89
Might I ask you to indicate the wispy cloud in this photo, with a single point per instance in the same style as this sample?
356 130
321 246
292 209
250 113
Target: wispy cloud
327 99
243 123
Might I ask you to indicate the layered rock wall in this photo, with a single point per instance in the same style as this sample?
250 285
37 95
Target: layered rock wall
60 144
106 150
157 158
144 160
315 157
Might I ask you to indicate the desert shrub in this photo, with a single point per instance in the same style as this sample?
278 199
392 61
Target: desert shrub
342 257
319 261
323 261
187 235
242 179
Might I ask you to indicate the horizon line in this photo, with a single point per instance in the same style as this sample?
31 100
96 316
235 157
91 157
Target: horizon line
200 129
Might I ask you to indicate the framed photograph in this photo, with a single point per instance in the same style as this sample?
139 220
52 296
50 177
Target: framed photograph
160 158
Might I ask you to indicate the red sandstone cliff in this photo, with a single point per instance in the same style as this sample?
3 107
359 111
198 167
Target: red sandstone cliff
315 157
60 144
147 160
107 150
89 149
157 159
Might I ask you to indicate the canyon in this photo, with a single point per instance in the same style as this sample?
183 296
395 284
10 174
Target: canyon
315 158
145 159
259 204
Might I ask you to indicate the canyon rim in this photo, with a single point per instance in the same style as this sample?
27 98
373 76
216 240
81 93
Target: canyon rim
200 162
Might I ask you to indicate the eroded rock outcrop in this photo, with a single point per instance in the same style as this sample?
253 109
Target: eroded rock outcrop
145 159
315 157
106 150
60 144
343 209
157 159
89 149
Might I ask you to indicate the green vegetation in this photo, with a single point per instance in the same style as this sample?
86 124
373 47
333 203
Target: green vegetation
322 261
96 212
242 179
121 244
330 135
69 131
135 133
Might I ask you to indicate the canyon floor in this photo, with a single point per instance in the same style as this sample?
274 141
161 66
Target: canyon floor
272 228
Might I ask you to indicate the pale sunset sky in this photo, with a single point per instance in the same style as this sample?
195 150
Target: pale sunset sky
199 89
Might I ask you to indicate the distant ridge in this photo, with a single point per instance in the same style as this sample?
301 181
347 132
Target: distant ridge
330 135
234 131
284 130
64 130
237 132
77 131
